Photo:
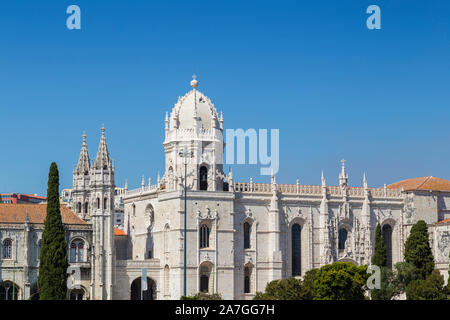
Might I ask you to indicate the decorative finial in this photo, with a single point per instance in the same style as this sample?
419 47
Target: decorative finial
103 129
323 179
364 180
84 136
194 82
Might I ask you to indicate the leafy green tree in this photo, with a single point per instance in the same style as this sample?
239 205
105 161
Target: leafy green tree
340 281
418 250
432 288
379 257
290 288
388 289
404 273
52 278
203 296
308 291
284 289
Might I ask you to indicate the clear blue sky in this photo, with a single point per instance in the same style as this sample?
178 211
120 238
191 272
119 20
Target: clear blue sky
379 98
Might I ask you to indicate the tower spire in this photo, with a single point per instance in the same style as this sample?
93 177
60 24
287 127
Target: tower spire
343 177
84 163
102 161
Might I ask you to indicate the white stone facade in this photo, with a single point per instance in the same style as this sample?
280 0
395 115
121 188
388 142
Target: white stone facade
240 236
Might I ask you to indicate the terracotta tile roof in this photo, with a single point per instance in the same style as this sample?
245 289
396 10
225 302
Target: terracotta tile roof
118 232
443 221
423 183
16 213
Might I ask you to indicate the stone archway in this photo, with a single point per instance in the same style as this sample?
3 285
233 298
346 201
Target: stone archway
9 290
137 294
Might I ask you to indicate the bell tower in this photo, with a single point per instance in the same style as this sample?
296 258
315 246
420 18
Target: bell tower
81 180
93 201
194 135
102 219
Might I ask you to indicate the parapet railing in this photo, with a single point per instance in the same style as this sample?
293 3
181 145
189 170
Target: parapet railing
248 187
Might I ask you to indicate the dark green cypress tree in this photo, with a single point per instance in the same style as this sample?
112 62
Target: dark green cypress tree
52 278
379 256
418 251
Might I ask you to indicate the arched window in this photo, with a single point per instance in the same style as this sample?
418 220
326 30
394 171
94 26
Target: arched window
76 294
387 237
77 251
8 290
78 207
204 283
342 238
296 250
85 207
204 236
137 294
98 203
73 252
149 212
166 280
105 203
247 274
203 178
80 251
247 230
7 249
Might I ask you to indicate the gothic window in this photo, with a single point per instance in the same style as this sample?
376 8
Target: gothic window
387 237
105 203
7 249
204 236
247 231
203 178
98 203
296 250
73 252
77 251
247 280
205 273
85 207
78 207
342 238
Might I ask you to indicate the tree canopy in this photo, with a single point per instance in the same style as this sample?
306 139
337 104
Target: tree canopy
379 257
418 251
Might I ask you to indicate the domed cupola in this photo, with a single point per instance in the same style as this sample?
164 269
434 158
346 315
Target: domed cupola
195 129
194 110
